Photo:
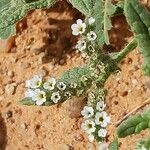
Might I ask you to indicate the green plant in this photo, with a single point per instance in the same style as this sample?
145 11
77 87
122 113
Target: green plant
88 80
14 10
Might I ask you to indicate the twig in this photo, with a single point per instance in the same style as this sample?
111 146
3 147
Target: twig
132 112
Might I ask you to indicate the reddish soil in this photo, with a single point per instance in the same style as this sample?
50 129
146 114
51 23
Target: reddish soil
44 45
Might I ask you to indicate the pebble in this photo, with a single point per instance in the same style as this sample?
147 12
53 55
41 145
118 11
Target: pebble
41 58
10 88
24 126
66 147
42 72
9 114
61 62
134 82
10 73
51 66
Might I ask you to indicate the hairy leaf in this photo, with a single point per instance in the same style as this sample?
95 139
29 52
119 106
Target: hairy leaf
69 77
6 32
134 124
103 11
139 19
143 143
109 10
4 3
27 101
10 14
84 6
75 74
114 145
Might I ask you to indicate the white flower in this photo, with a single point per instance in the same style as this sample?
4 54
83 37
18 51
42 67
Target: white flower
91 137
55 97
91 20
27 84
50 84
67 94
102 133
100 106
29 93
81 45
84 55
73 85
39 97
87 112
35 82
91 36
88 126
61 86
78 28
102 119
103 146
91 48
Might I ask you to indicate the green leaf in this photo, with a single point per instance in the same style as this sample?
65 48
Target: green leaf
109 10
4 3
98 15
6 32
134 124
27 101
139 19
114 145
10 14
84 6
103 11
73 76
143 143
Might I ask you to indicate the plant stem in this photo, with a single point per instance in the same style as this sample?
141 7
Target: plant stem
132 112
130 47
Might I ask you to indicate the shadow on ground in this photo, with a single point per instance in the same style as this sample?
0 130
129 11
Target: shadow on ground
3 134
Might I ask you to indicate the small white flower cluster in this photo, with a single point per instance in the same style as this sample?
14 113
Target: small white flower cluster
88 36
96 121
41 91
97 69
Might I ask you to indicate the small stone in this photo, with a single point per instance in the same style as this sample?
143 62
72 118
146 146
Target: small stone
10 88
51 66
9 114
66 147
42 72
61 62
134 82
42 58
10 73
24 126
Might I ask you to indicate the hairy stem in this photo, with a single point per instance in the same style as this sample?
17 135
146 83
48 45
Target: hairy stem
121 55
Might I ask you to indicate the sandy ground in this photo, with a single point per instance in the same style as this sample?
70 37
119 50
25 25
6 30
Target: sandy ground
44 45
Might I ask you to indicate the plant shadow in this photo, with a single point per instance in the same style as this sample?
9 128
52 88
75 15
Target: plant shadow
3 134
